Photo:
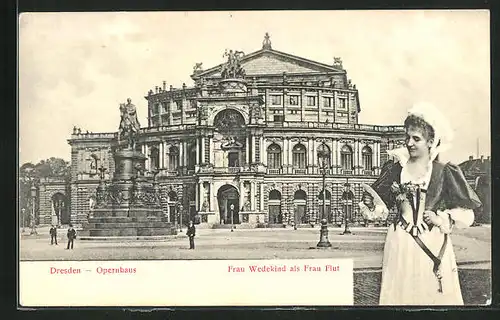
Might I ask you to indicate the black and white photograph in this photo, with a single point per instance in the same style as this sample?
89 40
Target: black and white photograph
271 136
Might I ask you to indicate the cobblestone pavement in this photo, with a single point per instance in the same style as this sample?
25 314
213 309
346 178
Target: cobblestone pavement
475 284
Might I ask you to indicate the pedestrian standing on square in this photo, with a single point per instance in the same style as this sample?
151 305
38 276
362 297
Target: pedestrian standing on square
191 231
71 236
53 235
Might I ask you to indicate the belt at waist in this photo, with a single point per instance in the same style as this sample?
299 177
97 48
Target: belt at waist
414 230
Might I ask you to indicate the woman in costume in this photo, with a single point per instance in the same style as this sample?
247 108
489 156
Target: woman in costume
432 198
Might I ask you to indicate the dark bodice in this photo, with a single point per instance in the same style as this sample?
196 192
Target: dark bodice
447 188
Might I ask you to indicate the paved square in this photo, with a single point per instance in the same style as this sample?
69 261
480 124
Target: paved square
365 246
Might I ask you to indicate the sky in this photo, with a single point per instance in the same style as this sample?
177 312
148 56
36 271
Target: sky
76 68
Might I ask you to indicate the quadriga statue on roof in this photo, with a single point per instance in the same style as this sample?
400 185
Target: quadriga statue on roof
232 68
129 124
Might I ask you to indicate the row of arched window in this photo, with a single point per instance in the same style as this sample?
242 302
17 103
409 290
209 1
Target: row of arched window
298 195
275 156
173 161
299 156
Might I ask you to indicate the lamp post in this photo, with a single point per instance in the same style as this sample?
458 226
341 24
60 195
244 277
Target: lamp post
33 223
347 200
231 209
323 240
23 213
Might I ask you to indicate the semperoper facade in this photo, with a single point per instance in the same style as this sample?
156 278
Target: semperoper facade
242 145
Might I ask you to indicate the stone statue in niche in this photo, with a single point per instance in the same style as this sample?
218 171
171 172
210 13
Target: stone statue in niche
202 112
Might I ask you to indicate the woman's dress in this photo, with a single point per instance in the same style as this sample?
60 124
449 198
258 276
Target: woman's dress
408 274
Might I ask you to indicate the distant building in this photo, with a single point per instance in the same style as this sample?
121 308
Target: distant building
478 174
243 144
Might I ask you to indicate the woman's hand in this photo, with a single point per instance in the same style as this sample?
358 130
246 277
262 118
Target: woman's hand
430 217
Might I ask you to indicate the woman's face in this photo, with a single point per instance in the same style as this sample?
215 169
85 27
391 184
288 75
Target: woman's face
367 201
416 143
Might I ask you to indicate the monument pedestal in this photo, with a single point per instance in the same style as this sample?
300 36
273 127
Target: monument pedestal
130 205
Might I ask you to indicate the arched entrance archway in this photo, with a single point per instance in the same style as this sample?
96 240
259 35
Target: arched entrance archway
300 201
347 202
228 198
275 215
60 209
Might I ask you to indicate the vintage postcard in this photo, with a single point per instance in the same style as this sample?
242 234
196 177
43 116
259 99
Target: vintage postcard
254 158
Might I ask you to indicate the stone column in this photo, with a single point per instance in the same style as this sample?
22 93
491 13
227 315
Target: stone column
337 152
200 195
184 155
53 214
247 154
263 156
355 156
285 104
310 161
320 107
333 158
334 102
242 194
211 150
315 156
284 154
253 148
252 195
267 105
348 107
198 150
147 163
202 149
303 103
210 200
360 155
162 155
166 160
182 151
262 197
288 156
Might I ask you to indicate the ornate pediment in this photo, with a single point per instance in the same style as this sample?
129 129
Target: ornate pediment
268 61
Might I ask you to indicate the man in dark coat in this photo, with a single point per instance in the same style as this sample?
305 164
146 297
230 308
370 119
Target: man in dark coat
71 236
53 235
191 231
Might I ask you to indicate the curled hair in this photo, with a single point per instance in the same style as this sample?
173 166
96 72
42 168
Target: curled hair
412 121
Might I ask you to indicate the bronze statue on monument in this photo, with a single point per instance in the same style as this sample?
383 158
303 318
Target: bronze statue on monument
129 124
130 205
